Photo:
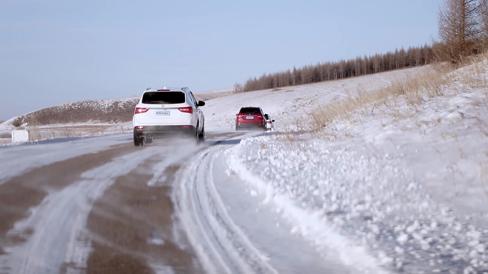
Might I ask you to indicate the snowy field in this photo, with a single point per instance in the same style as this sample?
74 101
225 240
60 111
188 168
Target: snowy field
289 106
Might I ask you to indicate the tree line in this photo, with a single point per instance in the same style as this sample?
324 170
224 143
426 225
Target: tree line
401 58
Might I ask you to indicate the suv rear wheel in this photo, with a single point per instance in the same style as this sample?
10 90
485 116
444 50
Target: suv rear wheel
201 135
138 139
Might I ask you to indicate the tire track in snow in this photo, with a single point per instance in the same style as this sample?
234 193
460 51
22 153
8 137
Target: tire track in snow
19 195
132 226
221 246
58 241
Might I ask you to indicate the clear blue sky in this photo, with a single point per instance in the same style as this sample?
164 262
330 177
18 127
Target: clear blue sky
58 51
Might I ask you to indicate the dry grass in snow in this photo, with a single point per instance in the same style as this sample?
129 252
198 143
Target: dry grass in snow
415 90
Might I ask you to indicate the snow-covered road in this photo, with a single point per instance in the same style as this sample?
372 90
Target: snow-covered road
225 225
57 238
216 218
48 201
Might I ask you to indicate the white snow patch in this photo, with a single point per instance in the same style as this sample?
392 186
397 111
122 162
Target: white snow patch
311 224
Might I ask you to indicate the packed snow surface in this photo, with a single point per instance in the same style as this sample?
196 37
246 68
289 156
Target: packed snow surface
58 236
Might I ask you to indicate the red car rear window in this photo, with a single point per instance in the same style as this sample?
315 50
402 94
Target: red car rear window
250 111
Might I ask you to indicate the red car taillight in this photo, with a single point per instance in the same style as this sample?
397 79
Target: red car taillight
186 109
140 110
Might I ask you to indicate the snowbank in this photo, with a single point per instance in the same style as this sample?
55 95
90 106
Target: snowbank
406 181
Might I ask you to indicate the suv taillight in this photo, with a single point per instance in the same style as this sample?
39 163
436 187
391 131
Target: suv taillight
186 109
140 110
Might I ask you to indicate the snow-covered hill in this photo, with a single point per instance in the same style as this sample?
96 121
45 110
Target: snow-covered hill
84 118
101 111
291 106
404 180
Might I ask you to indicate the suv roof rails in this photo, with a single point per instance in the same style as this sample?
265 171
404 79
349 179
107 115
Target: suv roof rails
165 88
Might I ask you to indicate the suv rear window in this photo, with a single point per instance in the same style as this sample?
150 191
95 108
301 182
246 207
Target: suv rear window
166 97
252 111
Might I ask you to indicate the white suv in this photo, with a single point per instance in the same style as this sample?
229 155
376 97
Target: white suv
167 111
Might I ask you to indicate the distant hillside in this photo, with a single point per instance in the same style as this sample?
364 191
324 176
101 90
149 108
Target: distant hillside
104 111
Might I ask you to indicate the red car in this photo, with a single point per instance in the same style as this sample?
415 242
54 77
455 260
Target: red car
251 117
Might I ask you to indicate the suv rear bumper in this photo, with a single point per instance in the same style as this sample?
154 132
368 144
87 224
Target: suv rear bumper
155 131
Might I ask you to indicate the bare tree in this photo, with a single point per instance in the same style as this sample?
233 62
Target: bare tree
459 28
483 11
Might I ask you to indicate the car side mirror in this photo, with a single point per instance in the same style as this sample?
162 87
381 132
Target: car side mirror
200 103
266 116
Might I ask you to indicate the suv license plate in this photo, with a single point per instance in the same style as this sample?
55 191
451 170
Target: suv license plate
250 117
163 113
